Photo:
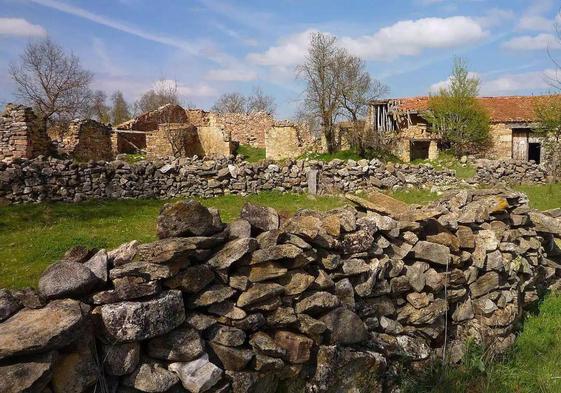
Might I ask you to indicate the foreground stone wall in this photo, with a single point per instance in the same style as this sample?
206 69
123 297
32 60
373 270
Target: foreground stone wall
64 180
342 301
21 135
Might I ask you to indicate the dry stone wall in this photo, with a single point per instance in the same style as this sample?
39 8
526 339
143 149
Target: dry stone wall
49 179
340 301
509 172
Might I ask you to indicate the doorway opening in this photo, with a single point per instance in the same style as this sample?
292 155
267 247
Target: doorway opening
419 150
534 152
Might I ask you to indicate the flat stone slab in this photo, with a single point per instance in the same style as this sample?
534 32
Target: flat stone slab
30 331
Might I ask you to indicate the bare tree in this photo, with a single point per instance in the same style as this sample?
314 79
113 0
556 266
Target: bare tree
120 111
235 102
164 92
260 102
99 110
52 81
322 73
230 103
358 88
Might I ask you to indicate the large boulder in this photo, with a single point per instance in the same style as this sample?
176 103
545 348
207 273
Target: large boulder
261 218
66 279
30 331
31 376
134 321
185 218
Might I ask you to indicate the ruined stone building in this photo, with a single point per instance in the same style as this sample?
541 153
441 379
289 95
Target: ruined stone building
22 135
83 140
172 128
512 122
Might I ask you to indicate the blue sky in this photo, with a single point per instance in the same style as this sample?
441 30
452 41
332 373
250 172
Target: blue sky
214 46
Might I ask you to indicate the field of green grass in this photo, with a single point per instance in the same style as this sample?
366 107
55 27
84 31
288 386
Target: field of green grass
33 236
447 160
251 154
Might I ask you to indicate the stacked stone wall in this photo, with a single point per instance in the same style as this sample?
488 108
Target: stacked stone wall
340 301
21 134
510 172
64 180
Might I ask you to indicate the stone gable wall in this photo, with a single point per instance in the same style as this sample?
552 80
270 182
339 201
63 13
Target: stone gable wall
341 301
21 135
86 140
247 129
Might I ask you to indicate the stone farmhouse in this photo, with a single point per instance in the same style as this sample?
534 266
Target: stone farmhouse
512 122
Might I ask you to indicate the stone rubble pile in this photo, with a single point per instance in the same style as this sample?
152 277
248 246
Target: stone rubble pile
49 179
509 172
338 301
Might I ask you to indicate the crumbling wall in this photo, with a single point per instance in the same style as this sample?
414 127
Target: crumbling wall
149 121
86 140
341 301
247 129
501 142
200 141
198 117
288 140
127 142
21 134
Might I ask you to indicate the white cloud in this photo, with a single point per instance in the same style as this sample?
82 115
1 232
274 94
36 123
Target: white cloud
533 18
445 84
535 23
495 17
538 42
510 83
187 90
231 74
21 28
290 51
404 38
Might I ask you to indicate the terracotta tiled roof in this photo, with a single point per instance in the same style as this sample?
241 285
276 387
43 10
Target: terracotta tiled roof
501 109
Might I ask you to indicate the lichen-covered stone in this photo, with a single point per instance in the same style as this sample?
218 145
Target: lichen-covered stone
129 321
